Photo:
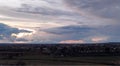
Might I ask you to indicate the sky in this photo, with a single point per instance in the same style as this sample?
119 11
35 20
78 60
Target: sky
59 21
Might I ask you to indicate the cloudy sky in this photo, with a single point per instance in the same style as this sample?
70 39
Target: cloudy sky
59 21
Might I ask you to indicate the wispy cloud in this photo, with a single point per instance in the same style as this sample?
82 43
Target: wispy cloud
72 41
107 9
99 39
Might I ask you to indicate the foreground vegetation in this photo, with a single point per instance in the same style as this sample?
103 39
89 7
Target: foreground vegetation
48 60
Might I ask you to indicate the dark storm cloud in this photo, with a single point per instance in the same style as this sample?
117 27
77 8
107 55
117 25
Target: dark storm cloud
22 39
86 33
101 8
69 30
72 32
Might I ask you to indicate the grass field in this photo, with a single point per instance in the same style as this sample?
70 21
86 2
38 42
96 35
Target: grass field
36 60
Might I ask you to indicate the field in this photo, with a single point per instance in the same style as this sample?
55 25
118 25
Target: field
36 60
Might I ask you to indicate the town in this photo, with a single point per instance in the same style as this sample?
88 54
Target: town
21 53
61 50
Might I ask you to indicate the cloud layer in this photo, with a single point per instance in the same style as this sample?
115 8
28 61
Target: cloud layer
59 21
